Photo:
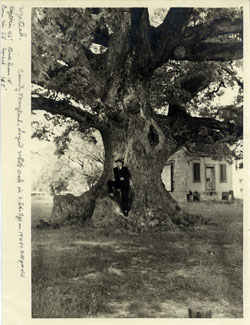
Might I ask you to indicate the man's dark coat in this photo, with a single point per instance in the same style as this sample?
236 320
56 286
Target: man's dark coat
119 173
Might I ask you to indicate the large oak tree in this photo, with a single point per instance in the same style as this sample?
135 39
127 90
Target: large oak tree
110 69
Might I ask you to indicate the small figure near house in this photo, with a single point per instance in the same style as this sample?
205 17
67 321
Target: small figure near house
196 196
121 182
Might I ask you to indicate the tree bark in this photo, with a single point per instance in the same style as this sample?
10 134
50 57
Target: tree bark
142 144
144 154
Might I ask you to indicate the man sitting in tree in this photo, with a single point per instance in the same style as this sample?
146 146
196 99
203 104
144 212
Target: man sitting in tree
122 176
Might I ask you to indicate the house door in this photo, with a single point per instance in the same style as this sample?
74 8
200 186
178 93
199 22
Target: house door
210 178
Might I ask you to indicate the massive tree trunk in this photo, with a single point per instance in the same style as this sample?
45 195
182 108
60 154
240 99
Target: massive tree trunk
140 141
144 154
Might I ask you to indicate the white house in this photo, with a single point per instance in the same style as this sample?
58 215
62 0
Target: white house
197 176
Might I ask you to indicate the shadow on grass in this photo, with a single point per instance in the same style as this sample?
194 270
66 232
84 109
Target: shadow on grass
82 272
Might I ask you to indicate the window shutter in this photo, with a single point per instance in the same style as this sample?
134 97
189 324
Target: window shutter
223 173
196 171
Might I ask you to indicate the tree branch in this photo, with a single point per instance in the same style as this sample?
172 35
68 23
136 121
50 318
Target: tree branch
182 128
173 40
217 27
140 39
230 72
63 107
204 51
94 157
224 128
215 91
167 36
78 161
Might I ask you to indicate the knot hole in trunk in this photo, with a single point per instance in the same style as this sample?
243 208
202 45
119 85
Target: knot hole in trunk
153 136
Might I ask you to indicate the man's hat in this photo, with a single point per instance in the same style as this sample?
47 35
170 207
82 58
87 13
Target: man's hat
119 160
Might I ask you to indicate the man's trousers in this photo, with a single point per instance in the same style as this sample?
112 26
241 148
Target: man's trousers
124 188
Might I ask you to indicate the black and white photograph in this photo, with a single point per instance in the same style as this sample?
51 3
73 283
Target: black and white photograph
137 161
137 186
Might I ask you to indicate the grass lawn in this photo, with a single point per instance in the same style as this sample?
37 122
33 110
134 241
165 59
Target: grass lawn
83 272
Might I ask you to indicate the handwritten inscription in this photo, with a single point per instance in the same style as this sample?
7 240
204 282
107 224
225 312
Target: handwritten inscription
10 17
21 23
13 32
20 217
13 27
20 166
10 13
7 62
10 61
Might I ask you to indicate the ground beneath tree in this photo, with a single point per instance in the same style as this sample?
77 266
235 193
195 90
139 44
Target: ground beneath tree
82 272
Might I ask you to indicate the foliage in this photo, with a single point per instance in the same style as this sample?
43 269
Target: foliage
76 161
219 151
86 66
196 85
61 48
84 159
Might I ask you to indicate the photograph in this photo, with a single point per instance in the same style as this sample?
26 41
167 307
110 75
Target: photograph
137 161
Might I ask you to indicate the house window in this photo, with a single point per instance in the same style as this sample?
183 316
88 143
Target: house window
196 172
223 173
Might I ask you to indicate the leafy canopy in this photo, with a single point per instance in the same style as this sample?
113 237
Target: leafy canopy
73 63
